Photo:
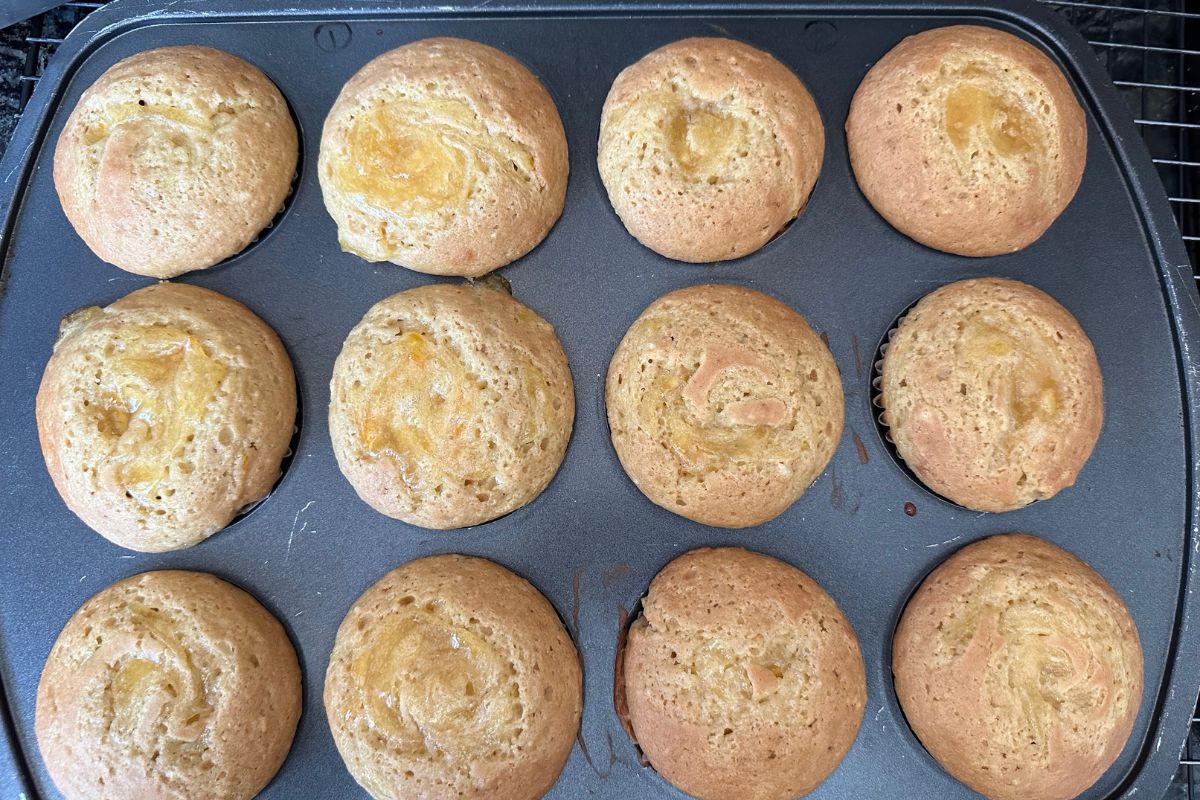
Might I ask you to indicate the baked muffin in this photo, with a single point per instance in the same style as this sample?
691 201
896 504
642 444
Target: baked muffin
175 159
444 156
165 414
1019 669
742 677
992 394
450 405
968 140
453 678
708 148
723 405
172 685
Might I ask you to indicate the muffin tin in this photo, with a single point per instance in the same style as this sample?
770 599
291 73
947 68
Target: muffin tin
865 530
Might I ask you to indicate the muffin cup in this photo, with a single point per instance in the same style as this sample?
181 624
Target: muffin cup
879 414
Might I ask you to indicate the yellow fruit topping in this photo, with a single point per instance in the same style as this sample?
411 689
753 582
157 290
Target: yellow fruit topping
423 410
428 683
1001 124
1032 391
419 407
160 687
702 141
409 157
397 163
156 387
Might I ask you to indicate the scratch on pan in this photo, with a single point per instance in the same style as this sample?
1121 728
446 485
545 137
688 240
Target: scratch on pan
162 12
292 534
19 162
948 541
877 713
81 577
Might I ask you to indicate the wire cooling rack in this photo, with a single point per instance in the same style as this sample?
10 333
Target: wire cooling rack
1152 50
1150 47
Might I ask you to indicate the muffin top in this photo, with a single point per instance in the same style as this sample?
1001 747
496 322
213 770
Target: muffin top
172 685
992 394
452 677
451 405
445 156
1019 668
742 677
165 414
708 148
967 139
723 404
175 159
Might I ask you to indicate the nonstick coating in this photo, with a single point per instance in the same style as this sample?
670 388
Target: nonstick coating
592 542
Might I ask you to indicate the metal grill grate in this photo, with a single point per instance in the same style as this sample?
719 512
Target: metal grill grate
46 32
1150 47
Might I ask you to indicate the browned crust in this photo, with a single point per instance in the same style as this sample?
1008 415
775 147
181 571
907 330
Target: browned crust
147 225
260 406
732 493
512 103
710 618
492 332
910 172
713 222
513 617
957 690
251 681
947 411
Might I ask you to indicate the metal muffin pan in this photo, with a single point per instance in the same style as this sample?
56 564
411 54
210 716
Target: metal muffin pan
591 543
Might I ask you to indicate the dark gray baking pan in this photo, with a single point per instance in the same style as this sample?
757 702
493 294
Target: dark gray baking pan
591 543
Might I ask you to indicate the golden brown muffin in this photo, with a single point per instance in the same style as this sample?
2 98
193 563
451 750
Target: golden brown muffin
453 678
723 405
992 394
743 678
165 414
968 140
1019 669
445 156
175 159
171 685
450 405
708 148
